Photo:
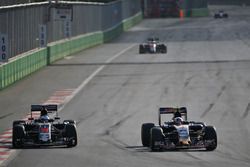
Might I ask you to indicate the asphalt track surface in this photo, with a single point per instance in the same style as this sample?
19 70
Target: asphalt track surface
206 69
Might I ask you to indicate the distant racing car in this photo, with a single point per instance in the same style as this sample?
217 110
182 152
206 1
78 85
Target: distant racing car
220 14
44 132
172 136
152 46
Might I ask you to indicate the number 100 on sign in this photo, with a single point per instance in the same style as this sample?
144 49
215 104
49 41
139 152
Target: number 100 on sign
3 48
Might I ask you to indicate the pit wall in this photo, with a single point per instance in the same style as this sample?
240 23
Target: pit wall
25 65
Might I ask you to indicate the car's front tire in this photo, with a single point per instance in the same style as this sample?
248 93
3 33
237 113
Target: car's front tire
18 134
157 136
210 135
145 133
71 134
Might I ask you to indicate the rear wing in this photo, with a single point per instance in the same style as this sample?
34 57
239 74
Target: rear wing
49 107
171 110
153 39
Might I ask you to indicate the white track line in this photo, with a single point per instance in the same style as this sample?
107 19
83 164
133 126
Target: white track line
87 80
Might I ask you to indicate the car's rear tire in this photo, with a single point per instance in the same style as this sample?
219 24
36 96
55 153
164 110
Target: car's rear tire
210 134
18 134
156 136
164 49
145 133
141 49
71 134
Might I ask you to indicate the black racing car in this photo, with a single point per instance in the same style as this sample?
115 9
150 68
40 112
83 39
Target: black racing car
220 14
170 136
44 132
152 46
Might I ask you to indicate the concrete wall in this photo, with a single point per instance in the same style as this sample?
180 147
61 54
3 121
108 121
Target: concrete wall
26 64
21 22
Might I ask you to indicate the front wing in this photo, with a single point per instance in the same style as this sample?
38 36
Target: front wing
170 146
58 142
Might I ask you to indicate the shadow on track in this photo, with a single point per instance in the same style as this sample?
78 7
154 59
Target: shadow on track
146 149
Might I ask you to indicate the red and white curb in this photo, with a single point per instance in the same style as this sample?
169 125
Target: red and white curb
6 150
59 97
5 145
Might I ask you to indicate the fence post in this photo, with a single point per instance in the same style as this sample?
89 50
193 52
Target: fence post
1 80
48 55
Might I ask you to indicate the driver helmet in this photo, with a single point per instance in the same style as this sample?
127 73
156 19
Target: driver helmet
178 120
177 114
44 114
